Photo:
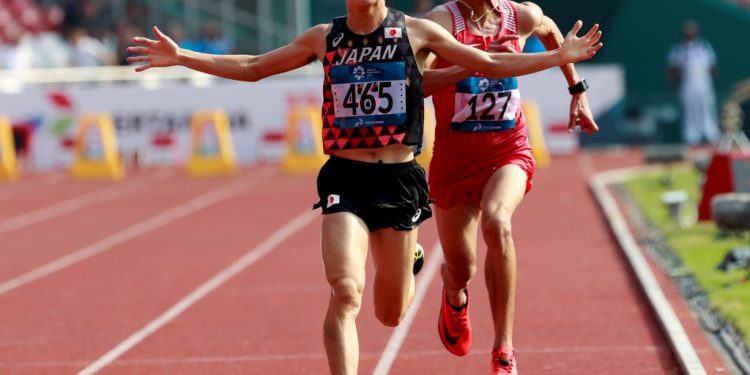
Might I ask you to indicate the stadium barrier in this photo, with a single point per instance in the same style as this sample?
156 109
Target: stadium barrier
428 139
9 168
211 146
96 154
536 134
304 147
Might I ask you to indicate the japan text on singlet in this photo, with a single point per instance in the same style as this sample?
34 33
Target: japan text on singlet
478 103
372 92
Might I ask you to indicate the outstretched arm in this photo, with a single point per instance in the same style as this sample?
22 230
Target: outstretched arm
435 79
165 52
531 20
435 38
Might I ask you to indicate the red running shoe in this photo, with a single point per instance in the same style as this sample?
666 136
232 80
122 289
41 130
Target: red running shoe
454 327
504 361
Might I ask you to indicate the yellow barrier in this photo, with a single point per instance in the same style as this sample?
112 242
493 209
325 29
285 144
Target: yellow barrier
211 147
428 138
304 146
8 162
536 134
96 154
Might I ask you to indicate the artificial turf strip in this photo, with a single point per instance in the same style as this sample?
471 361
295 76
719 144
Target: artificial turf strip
699 247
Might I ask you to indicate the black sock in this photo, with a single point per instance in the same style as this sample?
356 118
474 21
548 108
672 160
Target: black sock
457 309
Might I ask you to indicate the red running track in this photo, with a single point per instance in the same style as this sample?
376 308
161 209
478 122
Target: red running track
166 274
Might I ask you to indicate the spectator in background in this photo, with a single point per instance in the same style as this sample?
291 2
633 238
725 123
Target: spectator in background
124 34
136 16
11 56
213 42
79 14
180 37
47 49
692 68
86 50
28 38
132 23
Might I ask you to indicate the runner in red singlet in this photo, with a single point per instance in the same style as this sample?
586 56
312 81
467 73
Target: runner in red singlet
482 164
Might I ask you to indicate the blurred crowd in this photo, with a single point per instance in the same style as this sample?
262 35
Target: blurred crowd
82 33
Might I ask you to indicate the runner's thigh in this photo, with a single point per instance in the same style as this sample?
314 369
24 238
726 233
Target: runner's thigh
344 246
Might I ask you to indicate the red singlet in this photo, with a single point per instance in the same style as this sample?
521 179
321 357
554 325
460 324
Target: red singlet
480 125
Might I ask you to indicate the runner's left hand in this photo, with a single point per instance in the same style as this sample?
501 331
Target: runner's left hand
580 114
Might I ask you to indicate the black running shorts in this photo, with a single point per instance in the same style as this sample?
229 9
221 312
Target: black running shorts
382 195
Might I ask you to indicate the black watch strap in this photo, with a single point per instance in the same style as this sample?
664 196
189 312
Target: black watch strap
579 87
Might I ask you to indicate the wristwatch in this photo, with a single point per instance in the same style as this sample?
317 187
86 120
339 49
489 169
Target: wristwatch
579 87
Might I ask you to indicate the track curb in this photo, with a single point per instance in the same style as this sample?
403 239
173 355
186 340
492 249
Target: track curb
599 184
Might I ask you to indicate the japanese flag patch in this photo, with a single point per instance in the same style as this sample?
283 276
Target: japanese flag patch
333 199
392 32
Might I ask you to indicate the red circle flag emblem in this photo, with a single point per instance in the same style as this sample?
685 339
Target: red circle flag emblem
333 199
392 32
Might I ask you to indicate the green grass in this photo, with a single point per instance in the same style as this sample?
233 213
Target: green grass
698 246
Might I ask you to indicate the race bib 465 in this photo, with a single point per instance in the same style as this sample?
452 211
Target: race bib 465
367 95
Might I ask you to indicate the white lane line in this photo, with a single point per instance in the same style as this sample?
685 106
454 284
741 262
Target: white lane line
250 257
200 202
399 334
423 354
670 323
69 205
585 164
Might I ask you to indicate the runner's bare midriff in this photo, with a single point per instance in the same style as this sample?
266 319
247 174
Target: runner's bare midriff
389 154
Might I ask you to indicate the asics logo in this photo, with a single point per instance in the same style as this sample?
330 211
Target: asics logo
416 215
335 42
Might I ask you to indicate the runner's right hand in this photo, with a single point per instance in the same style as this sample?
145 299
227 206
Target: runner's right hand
155 53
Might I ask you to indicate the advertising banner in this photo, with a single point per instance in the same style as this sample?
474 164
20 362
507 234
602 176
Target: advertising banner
141 114
144 111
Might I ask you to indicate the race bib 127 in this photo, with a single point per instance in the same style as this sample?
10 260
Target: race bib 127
486 104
